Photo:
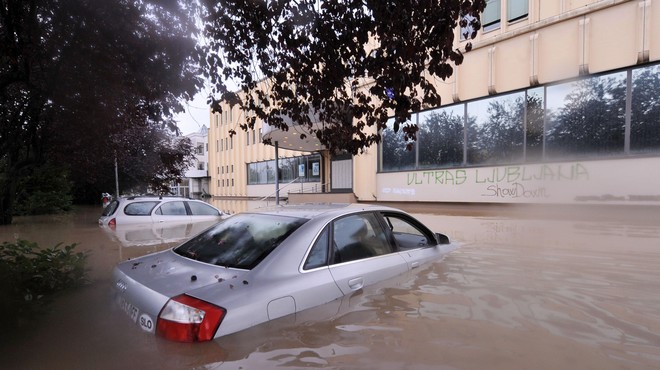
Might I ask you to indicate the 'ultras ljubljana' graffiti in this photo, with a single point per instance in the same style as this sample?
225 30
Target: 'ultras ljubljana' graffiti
504 182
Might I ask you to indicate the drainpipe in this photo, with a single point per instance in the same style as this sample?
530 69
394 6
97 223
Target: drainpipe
277 176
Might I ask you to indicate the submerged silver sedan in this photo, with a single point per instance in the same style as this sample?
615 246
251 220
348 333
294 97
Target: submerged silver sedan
258 266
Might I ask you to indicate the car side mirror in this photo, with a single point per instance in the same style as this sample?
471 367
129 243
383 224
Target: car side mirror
442 238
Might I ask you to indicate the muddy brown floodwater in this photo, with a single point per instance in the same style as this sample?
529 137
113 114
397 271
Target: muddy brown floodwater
519 292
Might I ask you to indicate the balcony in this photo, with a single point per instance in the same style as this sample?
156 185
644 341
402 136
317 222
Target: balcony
195 173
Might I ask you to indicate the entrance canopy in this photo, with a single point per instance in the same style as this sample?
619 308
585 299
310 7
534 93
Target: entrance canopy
291 139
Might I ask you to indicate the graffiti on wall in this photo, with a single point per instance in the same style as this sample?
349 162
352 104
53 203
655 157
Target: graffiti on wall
516 190
502 182
438 177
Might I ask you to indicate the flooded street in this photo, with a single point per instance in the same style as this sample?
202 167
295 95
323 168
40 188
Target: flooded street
519 292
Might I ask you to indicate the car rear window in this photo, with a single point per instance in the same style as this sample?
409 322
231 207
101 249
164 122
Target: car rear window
240 241
139 208
110 208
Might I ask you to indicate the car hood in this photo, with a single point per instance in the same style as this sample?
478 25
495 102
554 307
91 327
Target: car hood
170 274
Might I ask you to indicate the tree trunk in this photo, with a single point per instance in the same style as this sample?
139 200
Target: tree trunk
6 199
8 181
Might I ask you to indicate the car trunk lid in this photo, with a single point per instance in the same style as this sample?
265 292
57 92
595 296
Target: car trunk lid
170 274
144 285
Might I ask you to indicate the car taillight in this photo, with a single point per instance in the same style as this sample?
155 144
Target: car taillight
188 319
112 223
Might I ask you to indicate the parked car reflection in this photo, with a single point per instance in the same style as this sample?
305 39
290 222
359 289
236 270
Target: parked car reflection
154 234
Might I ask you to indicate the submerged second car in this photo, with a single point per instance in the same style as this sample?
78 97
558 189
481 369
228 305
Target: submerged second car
257 266
156 209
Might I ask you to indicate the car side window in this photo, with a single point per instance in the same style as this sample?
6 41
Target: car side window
407 234
202 209
172 209
358 236
318 255
139 208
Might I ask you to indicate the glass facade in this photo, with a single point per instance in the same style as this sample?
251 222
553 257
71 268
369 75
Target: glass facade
305 169
614 114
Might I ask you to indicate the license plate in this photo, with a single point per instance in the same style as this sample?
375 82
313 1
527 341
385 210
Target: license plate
130 310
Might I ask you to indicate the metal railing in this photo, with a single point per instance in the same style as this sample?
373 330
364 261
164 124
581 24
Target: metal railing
315 188
273 194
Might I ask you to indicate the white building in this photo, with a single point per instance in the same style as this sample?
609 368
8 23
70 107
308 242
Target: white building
195 183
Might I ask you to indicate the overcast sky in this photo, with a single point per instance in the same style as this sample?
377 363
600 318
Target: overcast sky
196 115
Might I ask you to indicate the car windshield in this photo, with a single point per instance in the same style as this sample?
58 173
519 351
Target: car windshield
240 241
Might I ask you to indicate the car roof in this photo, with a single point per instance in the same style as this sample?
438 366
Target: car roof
156 197
319 210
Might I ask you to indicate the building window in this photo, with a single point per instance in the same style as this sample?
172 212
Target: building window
534 114
231 142
495 130
200 149
258 173
466 27
396 156
516 9
200 166
645 115
586 117
490 18
441 133
254 136
217 145
247 138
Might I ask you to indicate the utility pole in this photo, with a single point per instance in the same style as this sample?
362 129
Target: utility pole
116 179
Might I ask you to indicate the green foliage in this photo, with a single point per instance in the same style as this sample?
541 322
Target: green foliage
81 80
348 64
30 276
43 190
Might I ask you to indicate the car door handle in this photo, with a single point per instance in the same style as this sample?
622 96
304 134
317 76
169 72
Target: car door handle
414 265
356 283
